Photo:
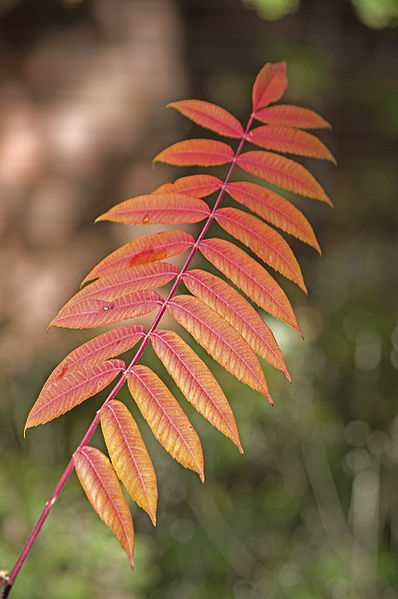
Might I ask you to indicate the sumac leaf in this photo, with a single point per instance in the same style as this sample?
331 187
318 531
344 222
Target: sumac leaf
103 490
263 241
200 152
139 278
230 304
220 340
95 312
289 140
97 350
291 116
198 186
166 418
210 116
270 84
249 276
72 389
283 172
158 209
129 456
143 250
196 382
275 209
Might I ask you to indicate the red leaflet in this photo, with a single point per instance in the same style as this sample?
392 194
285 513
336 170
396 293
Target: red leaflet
263 241
210 116
220 339
150 248
289 140
269 86
158 209
166 418
139 278
77 385
275 209
291 116
196 382
100 348
200 152
249 276
129 456
103 490
229 303
198 186
283 172
97 312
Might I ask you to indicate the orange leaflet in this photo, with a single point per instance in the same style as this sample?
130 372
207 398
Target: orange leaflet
100 348
139 278
220 339
200 152
196 382
150 248
198 186
166 418
275 209
229 303
269 86
97 312
291 116
210 116
77 385
103 490
129 456
249 276
158 209
282 172
289 140
263 241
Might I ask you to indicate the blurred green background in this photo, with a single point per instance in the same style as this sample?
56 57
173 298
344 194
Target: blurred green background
311 509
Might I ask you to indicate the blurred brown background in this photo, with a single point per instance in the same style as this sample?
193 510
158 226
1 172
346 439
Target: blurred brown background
311 509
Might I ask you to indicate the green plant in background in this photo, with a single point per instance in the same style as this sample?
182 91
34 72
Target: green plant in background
217 316
374 13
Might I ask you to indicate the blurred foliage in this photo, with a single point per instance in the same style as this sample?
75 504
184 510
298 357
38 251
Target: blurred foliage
274 9
311 509
374 13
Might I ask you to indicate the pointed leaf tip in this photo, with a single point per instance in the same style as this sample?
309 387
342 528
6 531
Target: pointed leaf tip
270 85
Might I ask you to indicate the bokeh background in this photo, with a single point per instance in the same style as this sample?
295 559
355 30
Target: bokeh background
311 509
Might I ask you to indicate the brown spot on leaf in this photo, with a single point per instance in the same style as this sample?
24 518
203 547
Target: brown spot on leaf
62 373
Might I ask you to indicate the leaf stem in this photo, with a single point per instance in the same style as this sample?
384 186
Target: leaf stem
90 431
